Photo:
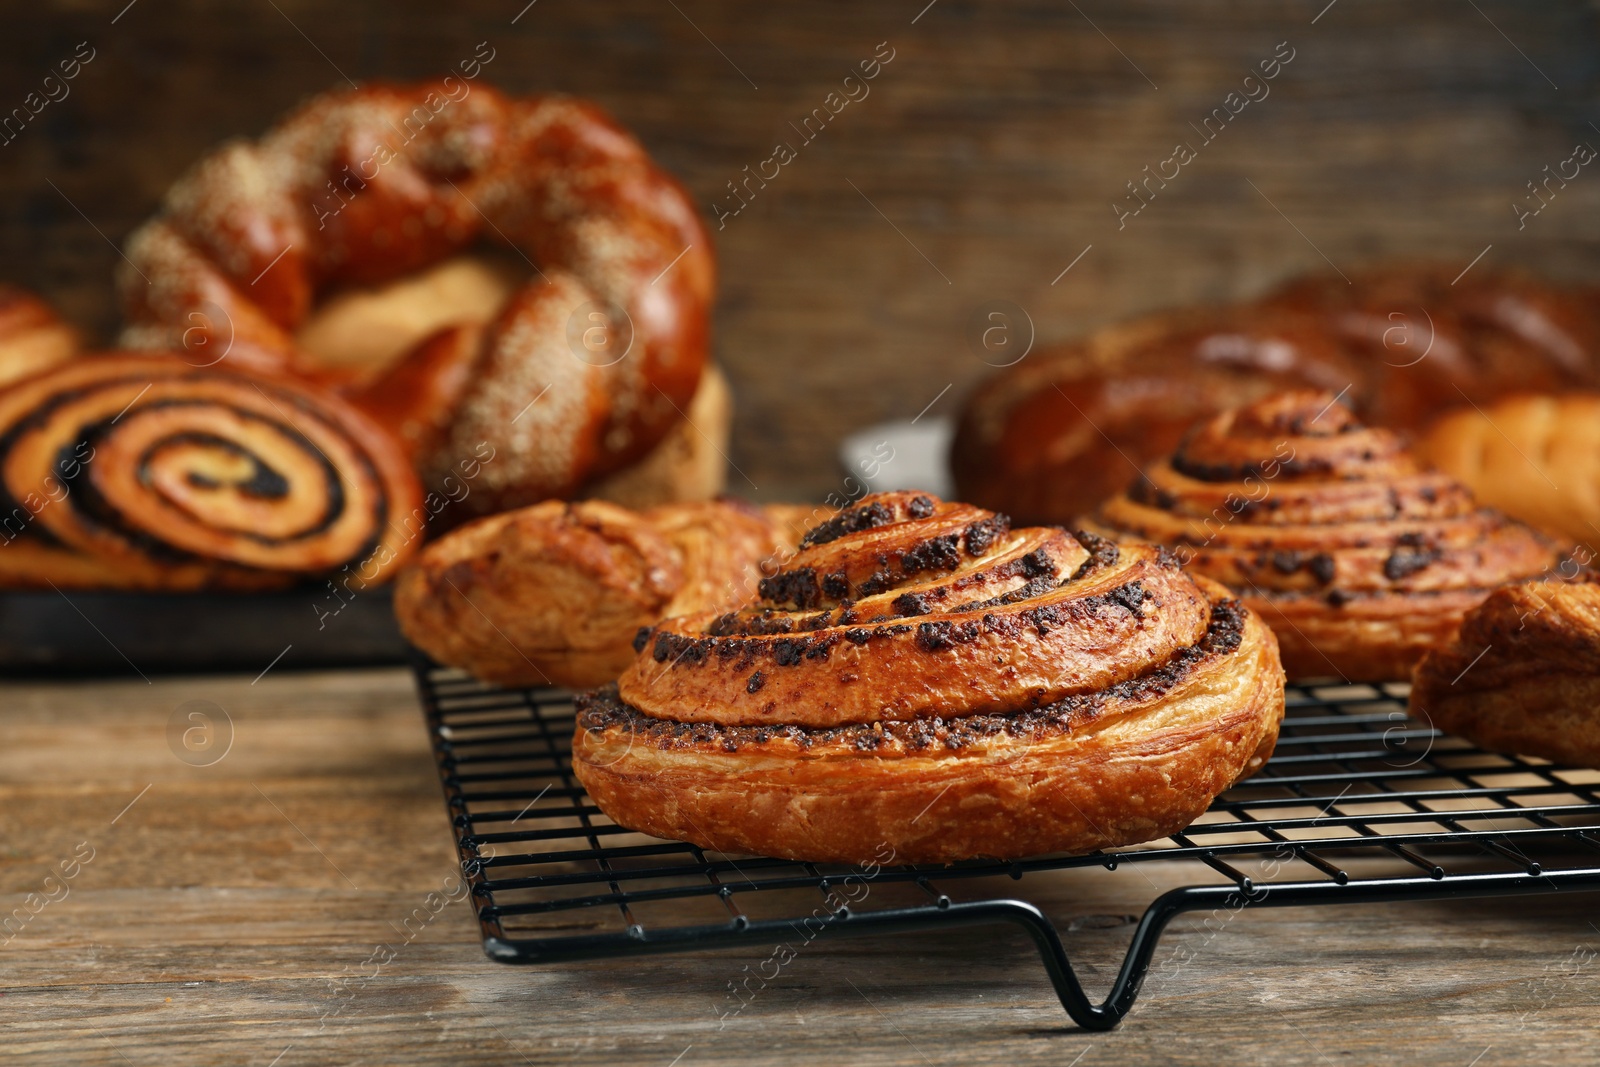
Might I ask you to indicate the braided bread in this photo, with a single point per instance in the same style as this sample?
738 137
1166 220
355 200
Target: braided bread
1356 556
1523 674
921 675
138 472
580 372
553 594
1053 436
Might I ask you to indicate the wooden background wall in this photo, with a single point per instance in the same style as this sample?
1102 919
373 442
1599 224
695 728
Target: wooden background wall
985 159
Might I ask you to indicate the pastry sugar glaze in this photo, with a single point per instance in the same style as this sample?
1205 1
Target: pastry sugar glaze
922 674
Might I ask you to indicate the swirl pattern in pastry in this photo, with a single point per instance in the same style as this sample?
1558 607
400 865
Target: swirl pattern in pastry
921 675
122 471
1358 557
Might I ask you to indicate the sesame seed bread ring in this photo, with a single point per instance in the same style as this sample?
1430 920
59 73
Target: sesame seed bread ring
980 692
380 183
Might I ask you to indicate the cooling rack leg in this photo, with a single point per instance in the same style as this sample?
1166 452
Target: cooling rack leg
1135 965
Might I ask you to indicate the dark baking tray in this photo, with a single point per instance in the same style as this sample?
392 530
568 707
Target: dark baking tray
56 632
1360 804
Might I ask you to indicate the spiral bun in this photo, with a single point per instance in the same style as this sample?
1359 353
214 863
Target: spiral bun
123 471
1359 558
922 675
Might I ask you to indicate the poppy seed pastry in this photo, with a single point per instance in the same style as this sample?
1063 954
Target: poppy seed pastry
1050 437
121 471
1359 558
923 676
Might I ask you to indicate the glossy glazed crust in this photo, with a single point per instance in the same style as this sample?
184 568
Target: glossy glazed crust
1535 457
139 472
1023 748
1133 771
1355 555
1523 674
1049 439
556 593
1052 437
370 185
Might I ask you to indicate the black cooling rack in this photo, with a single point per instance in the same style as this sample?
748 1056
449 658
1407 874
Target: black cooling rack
1354 780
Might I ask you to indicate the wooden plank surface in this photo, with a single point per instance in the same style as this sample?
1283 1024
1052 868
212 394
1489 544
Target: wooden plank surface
986 158
228 909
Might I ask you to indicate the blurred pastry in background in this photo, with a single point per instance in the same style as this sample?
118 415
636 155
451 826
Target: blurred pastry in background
124 471
556 593
1048 439
1433 338
1053 436
1356 555
1535 457
472 269
1523 674
33 337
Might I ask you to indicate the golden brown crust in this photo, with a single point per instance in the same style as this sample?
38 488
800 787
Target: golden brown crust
1522 675
837 749
1050 438
355 189
124 471
1534 457
556 593
417 397
1355 555
33 338
691 462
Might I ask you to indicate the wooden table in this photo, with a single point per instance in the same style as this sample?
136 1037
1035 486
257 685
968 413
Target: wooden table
225 908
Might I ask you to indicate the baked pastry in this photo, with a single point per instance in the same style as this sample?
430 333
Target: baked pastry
690 464
1049 438
1357 557
139 472
1535 457
1523 674
923 677
1433 338
32 336
1055 435
577 373
554 594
